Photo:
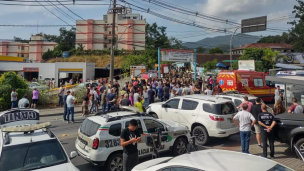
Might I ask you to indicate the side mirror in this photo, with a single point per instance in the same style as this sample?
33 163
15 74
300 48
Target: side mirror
164 105
73 154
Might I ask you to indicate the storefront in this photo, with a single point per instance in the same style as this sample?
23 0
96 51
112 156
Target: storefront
31 73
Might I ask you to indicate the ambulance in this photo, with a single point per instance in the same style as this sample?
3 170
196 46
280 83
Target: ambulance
247 82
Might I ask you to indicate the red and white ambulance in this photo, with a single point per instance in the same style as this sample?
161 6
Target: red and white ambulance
248 82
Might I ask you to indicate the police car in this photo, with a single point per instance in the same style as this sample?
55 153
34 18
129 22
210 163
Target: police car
98 138
26 144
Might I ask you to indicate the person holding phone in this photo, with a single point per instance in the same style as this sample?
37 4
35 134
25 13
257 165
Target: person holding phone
128 139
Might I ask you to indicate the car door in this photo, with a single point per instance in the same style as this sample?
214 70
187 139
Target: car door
151 125
188 112
170 110
143 149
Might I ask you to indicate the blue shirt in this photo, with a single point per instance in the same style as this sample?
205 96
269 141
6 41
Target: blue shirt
110 97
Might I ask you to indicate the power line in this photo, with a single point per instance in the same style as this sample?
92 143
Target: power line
45 5
62 12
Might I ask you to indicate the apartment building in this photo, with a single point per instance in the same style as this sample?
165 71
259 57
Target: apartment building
31 51
97 34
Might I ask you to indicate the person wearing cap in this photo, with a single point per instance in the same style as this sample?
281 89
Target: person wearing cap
22 102
14 96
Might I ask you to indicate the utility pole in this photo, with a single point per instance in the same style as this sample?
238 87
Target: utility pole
112 42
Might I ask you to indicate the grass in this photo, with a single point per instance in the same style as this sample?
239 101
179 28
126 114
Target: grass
100 61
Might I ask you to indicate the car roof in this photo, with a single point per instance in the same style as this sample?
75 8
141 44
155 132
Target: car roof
117 116
17 138
223 160
241 96
214 99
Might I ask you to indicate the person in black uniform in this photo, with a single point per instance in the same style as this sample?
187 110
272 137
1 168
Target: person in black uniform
128 140
267 122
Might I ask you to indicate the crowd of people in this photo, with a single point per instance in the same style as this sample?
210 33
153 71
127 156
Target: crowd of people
140 93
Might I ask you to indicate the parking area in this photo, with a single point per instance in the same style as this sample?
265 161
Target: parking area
283 152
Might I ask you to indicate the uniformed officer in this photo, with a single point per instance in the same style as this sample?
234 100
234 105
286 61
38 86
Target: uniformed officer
266 120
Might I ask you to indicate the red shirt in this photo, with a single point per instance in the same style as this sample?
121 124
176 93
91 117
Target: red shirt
292 108
249 105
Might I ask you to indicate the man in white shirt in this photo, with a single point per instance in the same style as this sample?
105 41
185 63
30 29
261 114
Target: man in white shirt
246 121
94 100
277 93
208 91
22 102
71 100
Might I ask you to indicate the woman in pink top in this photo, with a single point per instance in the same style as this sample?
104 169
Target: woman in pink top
35 98
131 98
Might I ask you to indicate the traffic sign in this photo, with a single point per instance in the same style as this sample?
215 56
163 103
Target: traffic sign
254 24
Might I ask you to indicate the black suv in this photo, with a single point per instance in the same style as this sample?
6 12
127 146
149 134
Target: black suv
290 129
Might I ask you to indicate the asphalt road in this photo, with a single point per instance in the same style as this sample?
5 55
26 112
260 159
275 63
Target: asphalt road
67 134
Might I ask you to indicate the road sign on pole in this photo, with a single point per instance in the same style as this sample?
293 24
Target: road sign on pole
254 24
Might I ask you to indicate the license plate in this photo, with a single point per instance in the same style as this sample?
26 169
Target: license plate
80 144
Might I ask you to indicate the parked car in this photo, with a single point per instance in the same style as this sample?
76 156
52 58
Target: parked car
289 130
238 99
98 139
205 116
26 145
39 86
212 160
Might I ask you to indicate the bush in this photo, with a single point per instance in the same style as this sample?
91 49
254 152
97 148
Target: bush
8 81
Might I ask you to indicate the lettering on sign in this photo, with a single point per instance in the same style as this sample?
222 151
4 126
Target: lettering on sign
149 150
244 82
18 116
229 82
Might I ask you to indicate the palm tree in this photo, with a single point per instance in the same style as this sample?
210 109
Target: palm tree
272 57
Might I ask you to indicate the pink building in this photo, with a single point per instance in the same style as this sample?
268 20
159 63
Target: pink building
31 51
96 34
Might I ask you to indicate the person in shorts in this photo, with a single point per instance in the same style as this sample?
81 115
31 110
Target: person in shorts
128 140
35 98
255 111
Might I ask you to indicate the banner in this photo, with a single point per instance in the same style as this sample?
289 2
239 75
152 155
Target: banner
177 55
246 65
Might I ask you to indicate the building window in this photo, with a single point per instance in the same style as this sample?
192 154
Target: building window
106 28
134 17
22 47
128 17
22 55
110 32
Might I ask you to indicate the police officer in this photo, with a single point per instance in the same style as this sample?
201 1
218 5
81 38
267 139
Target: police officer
266 120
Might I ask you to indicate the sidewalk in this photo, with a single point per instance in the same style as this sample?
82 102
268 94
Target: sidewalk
56 111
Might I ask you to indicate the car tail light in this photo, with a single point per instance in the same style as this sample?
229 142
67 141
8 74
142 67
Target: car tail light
95 143
216 118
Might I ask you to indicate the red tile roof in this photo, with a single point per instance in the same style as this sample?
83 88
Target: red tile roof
265 45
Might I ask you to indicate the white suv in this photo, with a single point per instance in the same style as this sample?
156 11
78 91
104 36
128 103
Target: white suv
98 138
238 99
206 116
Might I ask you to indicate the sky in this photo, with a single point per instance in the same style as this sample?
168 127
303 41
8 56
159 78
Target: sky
231 10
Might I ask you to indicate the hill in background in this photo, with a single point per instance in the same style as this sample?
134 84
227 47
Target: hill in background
223 41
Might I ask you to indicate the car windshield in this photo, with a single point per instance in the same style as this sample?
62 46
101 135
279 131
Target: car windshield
220 109
31 156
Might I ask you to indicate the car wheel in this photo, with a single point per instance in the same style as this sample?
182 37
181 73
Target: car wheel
115 162
300 146
180 146
154 115
201 135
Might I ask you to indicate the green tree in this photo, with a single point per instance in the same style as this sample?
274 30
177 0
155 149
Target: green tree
216 50
296 33
200 49
18 39
156 37
224 47
8 81
210 65
272 57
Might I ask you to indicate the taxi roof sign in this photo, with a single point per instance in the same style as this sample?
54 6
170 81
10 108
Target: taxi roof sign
15 117
26 128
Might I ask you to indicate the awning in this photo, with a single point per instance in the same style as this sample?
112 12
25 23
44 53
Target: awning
287 66
227 61
220 65
287 79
